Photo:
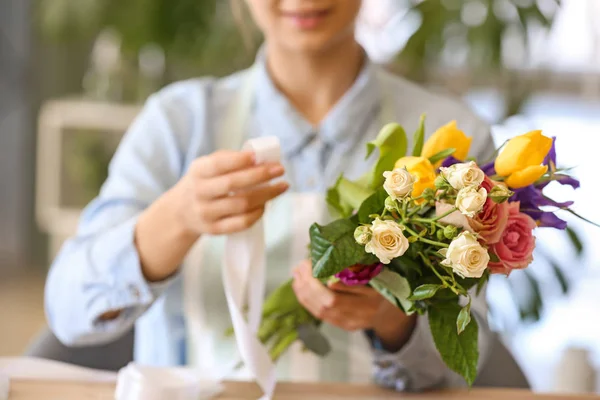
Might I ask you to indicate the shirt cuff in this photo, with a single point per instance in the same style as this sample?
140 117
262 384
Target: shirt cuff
125 287
416 367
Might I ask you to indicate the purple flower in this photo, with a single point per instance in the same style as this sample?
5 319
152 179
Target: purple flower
450 161
551 157
532 199
489 169
359 274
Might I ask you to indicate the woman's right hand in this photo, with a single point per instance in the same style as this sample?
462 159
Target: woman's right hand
226 192
222 193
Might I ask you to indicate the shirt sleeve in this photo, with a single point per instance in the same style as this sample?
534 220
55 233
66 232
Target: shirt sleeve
418 365
98 270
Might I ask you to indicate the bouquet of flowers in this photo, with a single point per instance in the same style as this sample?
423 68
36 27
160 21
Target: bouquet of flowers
426 231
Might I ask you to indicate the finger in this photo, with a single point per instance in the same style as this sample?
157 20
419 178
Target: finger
358 290
236 223
299 270
222 162
241 204
315 298
224 185
348 321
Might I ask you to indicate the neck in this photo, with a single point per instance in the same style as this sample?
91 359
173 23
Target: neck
314 83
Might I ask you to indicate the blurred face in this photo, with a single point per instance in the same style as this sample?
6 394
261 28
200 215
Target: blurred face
306 25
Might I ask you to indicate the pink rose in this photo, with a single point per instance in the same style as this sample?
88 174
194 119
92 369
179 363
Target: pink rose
515 249
490 223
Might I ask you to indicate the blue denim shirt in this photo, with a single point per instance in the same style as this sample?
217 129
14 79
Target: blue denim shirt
98 270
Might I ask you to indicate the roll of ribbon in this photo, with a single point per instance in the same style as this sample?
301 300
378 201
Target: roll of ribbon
4 386
244 277
136 382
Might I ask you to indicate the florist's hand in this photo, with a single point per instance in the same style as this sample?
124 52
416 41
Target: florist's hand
353 308
223 192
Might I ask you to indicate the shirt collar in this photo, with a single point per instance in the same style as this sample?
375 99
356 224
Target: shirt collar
344 124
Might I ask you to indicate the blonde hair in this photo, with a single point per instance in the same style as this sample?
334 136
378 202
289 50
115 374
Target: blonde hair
242 19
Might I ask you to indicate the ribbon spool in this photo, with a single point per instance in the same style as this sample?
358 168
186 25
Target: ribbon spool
136 382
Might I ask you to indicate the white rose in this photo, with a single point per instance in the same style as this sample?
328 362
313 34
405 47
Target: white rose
466 256
463 175
471 200
387 240
398 183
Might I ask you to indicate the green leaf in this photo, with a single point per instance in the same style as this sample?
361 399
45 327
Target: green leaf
419 138
397 285
464 318
560 277
574 237
334 201
385 293
442 155
352 193
424 292
459 352
482 281
312 338
493 257
580 217
374 204
333 248
282 301
282 342
392 143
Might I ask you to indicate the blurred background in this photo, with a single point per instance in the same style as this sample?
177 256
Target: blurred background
73 74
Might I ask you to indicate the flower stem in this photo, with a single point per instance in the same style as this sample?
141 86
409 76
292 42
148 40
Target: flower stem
435 271
428 221
422 239
453 209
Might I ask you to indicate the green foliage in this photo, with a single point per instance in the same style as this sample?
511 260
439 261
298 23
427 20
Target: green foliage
443 29
459 351
333 248
372 205
419 138
390 283
424 292
441 155
464 318
392 143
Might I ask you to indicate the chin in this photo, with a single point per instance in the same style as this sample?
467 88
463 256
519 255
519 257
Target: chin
313 43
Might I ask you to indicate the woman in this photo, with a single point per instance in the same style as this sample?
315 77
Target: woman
171 183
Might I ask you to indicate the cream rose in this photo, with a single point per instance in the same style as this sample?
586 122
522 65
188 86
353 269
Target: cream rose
387 240
398 183
466 256
463 175
470 200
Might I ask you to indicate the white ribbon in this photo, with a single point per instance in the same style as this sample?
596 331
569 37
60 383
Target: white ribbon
4 386
244 276
136 382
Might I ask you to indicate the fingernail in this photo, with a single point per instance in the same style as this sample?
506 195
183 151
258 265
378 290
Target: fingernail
283 185
276 170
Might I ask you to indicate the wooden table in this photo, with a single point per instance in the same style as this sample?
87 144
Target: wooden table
41 390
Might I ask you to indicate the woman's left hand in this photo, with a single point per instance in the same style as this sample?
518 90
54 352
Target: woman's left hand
353 308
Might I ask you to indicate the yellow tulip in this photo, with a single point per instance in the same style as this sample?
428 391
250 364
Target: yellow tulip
447 137
422 170
520 160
